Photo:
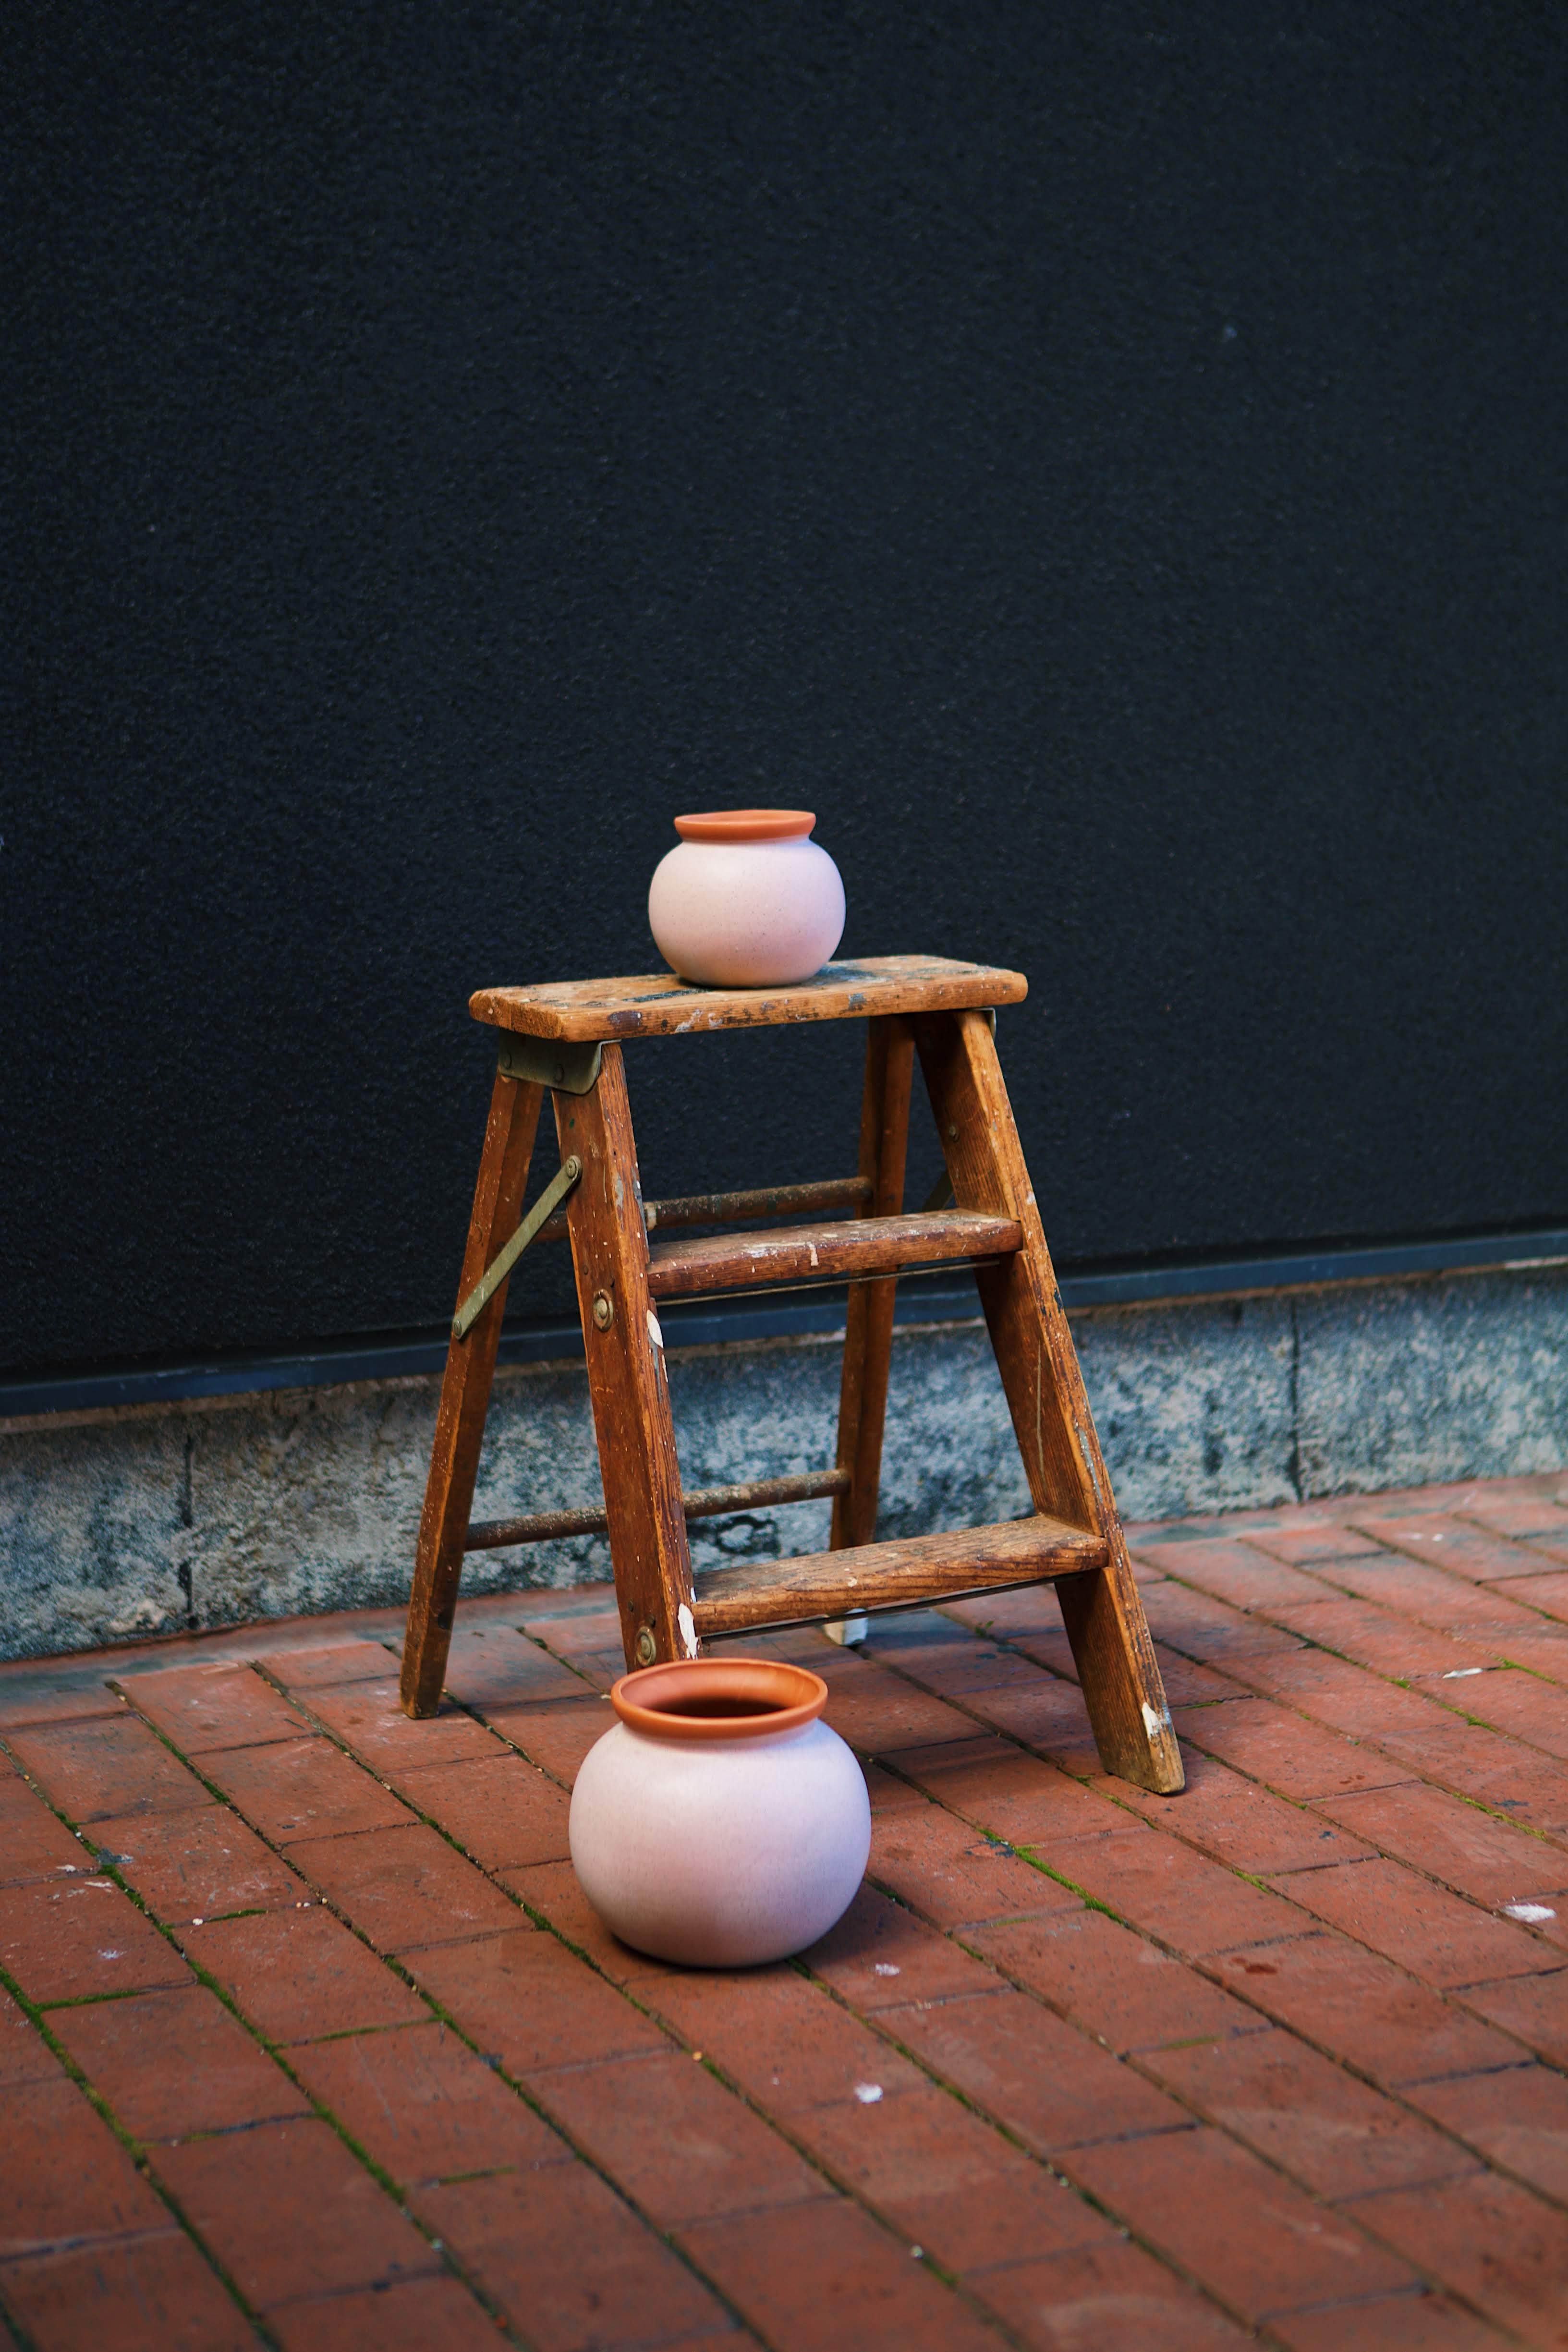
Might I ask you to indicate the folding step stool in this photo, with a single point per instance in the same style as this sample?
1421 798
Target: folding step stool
568 1039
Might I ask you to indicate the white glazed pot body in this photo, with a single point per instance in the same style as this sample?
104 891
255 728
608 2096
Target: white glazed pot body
721 1853
746 914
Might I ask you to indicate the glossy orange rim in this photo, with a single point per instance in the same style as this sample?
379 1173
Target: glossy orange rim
747 824
650 1699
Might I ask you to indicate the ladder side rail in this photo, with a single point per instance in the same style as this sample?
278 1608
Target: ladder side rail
465 1396
627 1381
869 1321
1055 1429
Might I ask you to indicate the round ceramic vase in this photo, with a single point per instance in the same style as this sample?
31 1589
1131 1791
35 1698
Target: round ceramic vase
719 1822
747 900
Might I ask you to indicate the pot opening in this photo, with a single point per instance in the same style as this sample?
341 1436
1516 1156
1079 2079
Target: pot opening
719 1698
708 1708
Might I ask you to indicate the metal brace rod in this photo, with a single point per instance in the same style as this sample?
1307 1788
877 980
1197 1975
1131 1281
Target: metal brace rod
484 1290
738 1208
705 1503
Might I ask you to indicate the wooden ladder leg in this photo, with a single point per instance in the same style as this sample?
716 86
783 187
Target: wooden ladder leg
869 1331
626 1377
465 1396
1039 1367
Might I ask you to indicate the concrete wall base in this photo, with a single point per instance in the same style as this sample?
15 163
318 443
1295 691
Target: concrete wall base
152 1519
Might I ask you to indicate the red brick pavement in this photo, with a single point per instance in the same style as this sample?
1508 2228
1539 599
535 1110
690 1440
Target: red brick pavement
308 2039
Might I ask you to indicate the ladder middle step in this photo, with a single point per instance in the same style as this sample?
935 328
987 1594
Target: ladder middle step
849 1249
905 1574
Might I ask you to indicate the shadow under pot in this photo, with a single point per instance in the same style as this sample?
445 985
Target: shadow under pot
719 1822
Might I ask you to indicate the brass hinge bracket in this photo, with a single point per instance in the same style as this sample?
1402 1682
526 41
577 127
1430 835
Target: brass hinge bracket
479 1298
571 1066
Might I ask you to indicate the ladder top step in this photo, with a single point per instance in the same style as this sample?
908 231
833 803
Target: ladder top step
656 1004
854 1246
902 1574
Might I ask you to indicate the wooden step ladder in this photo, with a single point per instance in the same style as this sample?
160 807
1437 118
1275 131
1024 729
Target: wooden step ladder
566 1040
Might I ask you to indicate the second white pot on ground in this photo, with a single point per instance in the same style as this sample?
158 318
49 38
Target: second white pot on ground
719 1822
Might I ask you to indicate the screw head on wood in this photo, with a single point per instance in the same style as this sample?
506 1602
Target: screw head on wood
647 1648
604 1313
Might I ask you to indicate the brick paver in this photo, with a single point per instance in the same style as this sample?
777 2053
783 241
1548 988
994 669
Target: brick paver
296 1975
172 2064
291 2212
682 2146
1181 1897
366 1717
1517 2118
405 1887
525 1998
1109 2294
1289 2053
25 2056
1046 2085
1490 2240
1229 2220
422 2315
33 1843
1361 2008
1312 2118
1431 1933
1107 1980
425 2105
80 1939
196 1865
149 2293
577 2267
503 1811
226 1705
303 1789
110 1764
1282 1751
64 2176
824 2278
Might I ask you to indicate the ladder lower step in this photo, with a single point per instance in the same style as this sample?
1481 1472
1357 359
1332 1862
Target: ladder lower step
852 1248
892 1575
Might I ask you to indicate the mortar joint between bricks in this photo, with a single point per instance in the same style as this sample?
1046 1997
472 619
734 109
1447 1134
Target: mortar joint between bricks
135 2149
276 2052
399 1970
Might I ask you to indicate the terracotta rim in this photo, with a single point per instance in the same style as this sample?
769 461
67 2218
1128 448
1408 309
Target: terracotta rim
650 1699
747 824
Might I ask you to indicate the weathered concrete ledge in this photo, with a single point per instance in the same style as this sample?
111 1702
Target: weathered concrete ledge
151 1519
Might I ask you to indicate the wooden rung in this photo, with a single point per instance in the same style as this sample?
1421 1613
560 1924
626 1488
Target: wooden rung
902 1574
703 1503
738 1208
858 1247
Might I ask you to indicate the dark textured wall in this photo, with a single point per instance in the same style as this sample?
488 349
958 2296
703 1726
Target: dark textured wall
1108 460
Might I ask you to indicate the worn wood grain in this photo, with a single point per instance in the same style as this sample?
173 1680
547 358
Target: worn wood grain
1056 1434
899 1574
848 1249
868 1323
627 1379
465 1398
656 1004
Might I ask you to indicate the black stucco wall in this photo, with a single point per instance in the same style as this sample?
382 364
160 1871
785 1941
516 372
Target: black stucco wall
1108 460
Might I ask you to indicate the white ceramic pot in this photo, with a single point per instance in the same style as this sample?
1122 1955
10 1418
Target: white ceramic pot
719 1822
747 900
